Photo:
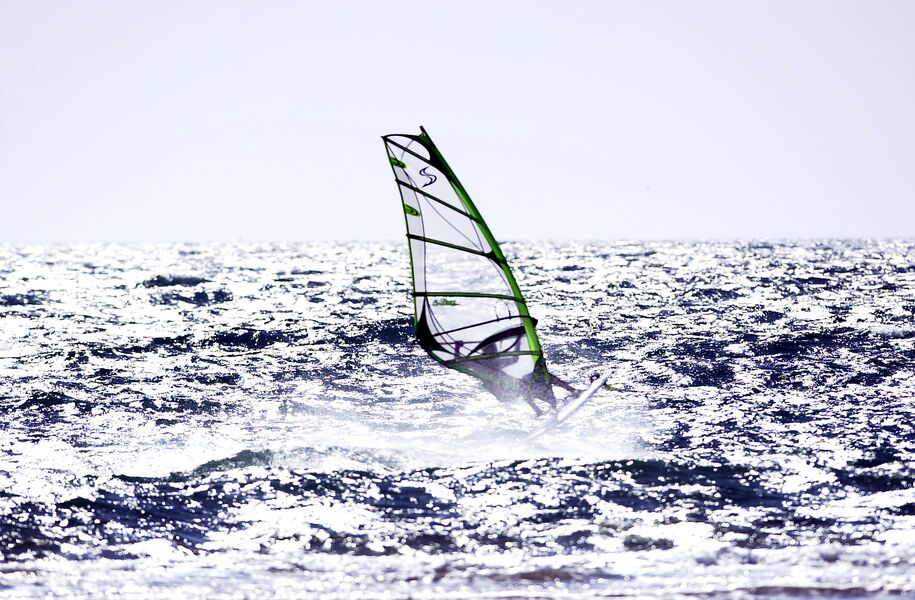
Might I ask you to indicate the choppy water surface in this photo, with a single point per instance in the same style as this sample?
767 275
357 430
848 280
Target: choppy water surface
248 420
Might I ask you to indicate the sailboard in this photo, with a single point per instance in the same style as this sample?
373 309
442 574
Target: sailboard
469 313
569 408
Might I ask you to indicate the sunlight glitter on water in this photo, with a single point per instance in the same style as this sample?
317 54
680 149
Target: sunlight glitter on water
223 420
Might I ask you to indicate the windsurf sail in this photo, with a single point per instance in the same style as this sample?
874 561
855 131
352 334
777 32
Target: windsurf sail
469 313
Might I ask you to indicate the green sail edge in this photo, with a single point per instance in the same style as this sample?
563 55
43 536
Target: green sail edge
529 330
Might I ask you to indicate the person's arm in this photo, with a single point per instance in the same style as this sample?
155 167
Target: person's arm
562 384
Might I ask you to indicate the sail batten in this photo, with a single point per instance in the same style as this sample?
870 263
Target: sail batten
469 312
470 295
452 246
404 148
438 200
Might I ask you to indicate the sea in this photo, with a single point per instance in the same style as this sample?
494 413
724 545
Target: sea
250 420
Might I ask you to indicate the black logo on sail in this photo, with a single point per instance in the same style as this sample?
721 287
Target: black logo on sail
431 177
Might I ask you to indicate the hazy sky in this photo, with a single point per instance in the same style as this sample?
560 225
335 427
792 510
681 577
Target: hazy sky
219 120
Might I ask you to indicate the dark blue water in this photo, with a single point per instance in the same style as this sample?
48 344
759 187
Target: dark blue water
255 420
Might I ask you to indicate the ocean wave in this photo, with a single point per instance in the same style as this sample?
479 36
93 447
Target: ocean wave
174 280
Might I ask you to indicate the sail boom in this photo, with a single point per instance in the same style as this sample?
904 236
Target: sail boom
480 324
488 356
